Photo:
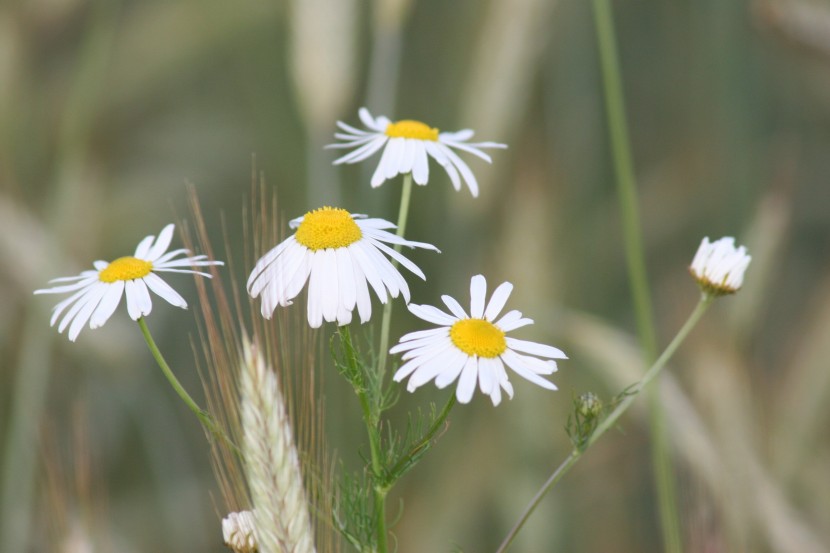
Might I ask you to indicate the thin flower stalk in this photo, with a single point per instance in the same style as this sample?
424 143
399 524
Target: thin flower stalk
403 214
609 421
272 465
204 417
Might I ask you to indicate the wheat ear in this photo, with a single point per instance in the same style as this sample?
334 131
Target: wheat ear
272 466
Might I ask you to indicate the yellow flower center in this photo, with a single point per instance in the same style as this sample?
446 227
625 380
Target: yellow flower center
328 227
125 268
408 128
478 337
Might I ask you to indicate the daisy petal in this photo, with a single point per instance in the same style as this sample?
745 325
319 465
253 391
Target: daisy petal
478 291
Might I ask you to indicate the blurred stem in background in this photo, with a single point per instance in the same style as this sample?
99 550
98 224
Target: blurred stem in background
388 19
635 259
626 398
20 464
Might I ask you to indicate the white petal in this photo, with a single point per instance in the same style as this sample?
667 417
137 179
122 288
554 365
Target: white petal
410 146
109 302
378 177
145 302
90 304
452 370
58 309
69 287
497 301
430 368
512 320
133 306
330 291
420 169
164 290
468 176
144 247
269 258
534 348
478 291
392 157
92 294
315 285
468 148
517 364
419 334
170 255
389 238
432 314
361 257
486 375
345 276
467 382
364 152
399 258
362 299
454 307
162 243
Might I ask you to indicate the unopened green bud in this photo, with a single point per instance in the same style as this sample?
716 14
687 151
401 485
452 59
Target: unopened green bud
589 406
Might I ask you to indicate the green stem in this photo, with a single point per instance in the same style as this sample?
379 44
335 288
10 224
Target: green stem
627 191
371 417
609 421
204 417
404 462
403 213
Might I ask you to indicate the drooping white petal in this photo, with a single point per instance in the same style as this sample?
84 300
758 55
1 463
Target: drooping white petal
518 366
109 302
91 302
164 290
467 381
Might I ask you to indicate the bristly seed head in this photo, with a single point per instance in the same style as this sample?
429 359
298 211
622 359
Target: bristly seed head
408 128
478 337
125 268
328 227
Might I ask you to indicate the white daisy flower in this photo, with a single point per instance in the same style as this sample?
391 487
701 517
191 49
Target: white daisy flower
408 144
719 266
341 255
98 292
238 531
473 348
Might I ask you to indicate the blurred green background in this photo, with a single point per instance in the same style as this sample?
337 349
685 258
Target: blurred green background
107 109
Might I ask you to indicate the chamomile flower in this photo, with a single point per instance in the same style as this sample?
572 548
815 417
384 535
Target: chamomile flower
407 145
98 292
718 267
340 255
473 349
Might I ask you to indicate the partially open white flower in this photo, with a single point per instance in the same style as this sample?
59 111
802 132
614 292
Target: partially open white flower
473 348
409 145
238 532
98 292
719 266
341 255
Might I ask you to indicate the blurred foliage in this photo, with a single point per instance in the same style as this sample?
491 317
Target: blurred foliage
107 109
